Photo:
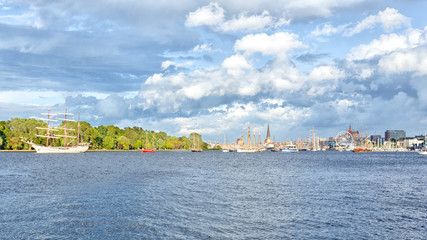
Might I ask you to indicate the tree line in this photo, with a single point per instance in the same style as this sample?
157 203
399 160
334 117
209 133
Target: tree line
14 133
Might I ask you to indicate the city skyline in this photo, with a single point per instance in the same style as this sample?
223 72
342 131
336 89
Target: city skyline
213 67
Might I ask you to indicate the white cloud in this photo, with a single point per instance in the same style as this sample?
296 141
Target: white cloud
236 116
209 15
325 73
166 64
249 23
387 44
324 79
366 73
327 30
235 78
203 48
389 19
236 65
213 15
28 17
414 60
276 44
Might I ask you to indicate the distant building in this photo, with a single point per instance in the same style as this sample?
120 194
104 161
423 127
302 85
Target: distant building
268 139
394 134
354 134
376 139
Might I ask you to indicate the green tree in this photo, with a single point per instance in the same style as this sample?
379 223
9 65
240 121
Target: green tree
109 142
138 144
102 130
169 145
131 134
124 141
15 143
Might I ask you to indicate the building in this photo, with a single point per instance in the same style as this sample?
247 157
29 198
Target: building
354 134
395 134
268 139
376 139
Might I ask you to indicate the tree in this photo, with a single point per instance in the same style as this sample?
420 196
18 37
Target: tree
138 144
12 131
102 130
131 134
15 143
124 141
109 142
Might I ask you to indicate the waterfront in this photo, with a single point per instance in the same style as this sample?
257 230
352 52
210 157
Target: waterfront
184 195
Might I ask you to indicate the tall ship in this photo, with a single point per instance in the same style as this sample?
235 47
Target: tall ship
49 134
196 145
146 149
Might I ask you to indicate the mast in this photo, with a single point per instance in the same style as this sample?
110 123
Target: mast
243 141
48 129
314 137
65 128
254 138
249 135
78 129
146 140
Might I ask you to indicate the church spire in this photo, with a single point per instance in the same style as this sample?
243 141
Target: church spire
268 139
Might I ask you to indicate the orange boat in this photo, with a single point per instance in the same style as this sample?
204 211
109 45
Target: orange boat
361 150
148 151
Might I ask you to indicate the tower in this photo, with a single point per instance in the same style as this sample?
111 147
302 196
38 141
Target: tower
268 139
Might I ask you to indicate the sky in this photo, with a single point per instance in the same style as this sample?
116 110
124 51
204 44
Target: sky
213 67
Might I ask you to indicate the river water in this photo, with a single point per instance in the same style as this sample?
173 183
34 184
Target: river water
213 195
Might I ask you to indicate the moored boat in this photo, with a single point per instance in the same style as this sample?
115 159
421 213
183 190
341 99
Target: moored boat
147 150
361 150
290 148
67 148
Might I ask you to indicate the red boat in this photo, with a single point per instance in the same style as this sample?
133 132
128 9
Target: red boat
147 151
361 150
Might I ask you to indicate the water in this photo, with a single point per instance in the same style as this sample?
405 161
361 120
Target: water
213 195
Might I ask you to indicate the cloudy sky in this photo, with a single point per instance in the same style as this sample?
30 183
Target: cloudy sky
214 66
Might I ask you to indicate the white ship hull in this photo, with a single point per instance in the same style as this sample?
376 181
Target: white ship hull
289 150
74 149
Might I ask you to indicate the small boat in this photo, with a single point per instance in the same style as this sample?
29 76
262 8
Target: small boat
361 150
290 148
148 150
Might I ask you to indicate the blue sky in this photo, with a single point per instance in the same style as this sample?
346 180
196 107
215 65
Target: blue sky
213 67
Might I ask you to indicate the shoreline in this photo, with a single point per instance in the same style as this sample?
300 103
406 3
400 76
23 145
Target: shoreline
109 150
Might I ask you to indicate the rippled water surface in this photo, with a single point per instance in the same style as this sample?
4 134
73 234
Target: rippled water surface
184 195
